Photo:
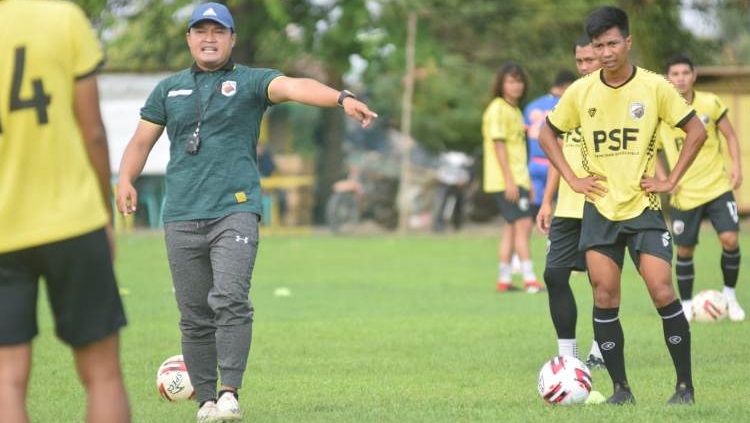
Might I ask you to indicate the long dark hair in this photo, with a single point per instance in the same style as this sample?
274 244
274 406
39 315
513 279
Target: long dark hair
508 68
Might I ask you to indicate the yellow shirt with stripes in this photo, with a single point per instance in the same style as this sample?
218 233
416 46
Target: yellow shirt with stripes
503 122
48 188
569 202
618 125
706 178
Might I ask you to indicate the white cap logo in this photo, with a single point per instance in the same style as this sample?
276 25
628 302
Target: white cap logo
209 12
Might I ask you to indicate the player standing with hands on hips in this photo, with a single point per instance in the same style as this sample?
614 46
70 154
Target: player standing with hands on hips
55 206
212 113
618 109
564 230
705 190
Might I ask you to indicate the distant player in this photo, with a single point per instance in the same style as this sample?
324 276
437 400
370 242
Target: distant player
618 110
706 189
564 231
506 174
55 206
534 114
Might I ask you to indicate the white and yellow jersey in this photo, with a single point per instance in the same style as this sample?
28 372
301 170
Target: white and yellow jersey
618 125
48 188
706 178
504 122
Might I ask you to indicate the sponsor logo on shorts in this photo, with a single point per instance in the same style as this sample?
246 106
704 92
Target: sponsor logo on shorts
665 238
674 339
549 245
606 346
523 203
678 227
242 239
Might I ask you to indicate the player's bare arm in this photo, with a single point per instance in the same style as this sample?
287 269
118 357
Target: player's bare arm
88 116
587 186
133 160
511 189
89 119
733 147
544 216
311 92
695 136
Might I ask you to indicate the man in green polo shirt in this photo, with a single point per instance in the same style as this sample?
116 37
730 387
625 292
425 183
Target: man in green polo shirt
212 113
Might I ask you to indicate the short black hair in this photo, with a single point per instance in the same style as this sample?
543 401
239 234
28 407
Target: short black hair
678 59
582 41
605 18
512 69
564 77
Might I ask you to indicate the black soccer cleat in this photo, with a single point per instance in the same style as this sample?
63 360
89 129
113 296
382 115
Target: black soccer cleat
594 362
621 395
683 395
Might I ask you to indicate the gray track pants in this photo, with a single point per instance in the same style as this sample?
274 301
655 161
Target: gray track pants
212 262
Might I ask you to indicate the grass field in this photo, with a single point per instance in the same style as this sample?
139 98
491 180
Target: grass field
402 329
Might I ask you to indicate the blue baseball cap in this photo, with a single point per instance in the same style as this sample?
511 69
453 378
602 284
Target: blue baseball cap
212 12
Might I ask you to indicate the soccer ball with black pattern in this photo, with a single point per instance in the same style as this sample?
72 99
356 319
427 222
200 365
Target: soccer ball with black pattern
564 380
173 381
709 306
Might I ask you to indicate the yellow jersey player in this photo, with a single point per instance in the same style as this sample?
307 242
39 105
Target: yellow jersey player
618 109
506 174
54 205
564 231
706 189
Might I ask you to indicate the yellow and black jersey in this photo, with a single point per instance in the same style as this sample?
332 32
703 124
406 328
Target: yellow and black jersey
618 125
48 188
707 177
569 202
503 122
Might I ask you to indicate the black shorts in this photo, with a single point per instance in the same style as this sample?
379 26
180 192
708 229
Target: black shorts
81 288
514 211
722 211
646 233
562 244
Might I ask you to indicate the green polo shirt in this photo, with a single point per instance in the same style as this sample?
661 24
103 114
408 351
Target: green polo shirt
223 177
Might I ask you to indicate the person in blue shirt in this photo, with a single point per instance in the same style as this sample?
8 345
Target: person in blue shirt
534 115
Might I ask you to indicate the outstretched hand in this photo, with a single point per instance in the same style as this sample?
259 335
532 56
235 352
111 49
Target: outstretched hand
359 111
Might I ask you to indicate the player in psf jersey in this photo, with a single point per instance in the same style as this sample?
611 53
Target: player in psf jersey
55 205
618 109
564 230
506 173
706 188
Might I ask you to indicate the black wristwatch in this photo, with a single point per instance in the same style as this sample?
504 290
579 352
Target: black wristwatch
344 94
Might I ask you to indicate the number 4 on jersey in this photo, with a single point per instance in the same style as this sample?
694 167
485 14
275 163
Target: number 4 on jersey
39 99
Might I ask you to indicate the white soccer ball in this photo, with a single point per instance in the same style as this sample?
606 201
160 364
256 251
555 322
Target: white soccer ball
172 380
564 380
709 306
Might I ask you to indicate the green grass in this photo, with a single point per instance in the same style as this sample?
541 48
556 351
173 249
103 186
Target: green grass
401 329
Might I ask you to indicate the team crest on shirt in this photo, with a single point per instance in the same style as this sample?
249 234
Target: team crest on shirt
637 109
229 88
678 227
592 111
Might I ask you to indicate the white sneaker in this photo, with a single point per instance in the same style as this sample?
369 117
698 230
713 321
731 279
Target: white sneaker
687 308
736 313
207 413
228 408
